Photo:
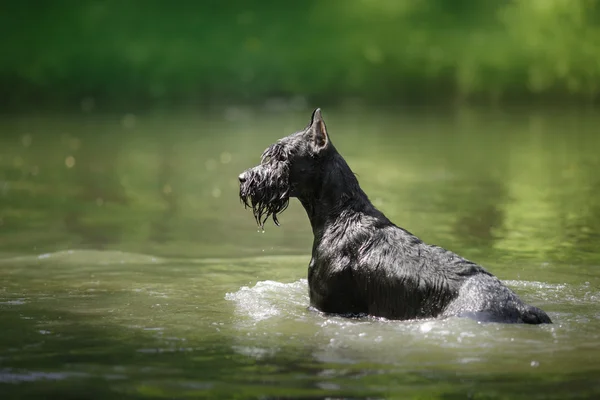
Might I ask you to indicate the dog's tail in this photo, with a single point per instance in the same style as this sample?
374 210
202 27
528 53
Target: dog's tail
533 315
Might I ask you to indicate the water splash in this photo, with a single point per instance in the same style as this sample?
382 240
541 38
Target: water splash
268 299
272 315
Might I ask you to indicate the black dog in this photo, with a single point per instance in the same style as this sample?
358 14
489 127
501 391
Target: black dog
361 262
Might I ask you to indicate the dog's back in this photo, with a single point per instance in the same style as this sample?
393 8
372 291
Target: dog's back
374 267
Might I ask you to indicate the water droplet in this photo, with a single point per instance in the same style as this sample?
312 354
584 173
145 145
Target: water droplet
70 161
535 364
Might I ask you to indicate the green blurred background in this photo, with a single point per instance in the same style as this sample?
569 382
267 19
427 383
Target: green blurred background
116 53
129 268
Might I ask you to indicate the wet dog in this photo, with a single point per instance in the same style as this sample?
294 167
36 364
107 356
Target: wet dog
363 264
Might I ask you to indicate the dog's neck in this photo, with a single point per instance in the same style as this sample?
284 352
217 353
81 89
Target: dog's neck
338 192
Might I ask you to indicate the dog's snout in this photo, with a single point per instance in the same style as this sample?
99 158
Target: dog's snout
242 177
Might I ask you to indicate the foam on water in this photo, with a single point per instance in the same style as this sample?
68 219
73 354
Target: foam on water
276 300
272 315
268 299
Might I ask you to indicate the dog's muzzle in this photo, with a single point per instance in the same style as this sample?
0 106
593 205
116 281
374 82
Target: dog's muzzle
266 191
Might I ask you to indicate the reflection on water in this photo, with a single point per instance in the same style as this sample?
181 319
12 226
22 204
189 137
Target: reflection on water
491 185
130 268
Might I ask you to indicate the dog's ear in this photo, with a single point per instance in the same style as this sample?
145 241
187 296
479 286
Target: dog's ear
318 132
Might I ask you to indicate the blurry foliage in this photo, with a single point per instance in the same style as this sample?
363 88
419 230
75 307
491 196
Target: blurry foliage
381 50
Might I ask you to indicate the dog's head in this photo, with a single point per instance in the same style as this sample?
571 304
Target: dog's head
287 168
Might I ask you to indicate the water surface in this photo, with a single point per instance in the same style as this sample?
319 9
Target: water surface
129 268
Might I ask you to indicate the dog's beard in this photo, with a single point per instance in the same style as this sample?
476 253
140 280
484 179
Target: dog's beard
267 192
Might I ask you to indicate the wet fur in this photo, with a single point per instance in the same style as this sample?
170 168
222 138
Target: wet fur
266 190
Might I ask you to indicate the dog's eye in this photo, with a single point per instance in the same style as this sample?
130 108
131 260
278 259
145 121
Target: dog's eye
266 159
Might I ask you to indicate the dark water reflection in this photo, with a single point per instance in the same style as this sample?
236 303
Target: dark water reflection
130 268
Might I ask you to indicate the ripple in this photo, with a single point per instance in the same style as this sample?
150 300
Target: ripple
11 376
114 257
160 350
15 302
90 257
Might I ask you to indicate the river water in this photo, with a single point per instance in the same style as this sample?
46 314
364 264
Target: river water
129 268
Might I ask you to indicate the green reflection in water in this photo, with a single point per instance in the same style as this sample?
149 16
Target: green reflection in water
129 266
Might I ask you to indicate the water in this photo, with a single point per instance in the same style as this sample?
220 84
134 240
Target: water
129 268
